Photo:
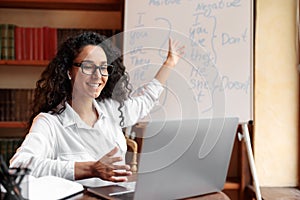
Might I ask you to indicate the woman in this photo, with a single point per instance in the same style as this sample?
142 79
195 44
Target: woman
81 105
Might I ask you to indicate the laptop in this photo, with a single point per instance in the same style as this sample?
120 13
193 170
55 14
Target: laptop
180 159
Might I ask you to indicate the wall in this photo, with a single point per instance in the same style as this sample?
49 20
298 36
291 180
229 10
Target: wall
276 93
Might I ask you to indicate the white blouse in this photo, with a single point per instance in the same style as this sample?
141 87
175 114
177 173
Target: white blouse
55 142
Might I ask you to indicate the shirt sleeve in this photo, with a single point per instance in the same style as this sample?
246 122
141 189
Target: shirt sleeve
140 106
38 151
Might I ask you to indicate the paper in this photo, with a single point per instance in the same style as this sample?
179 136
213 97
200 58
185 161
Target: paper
49 188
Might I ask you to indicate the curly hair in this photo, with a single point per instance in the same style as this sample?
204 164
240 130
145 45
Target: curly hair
54 88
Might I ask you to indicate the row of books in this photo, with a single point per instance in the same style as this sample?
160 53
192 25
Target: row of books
36 43
27 43
15 104
8 147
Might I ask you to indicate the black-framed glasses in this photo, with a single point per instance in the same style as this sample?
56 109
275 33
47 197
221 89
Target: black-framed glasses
90 68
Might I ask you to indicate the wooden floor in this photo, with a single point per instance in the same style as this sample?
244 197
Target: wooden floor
275 193
280 193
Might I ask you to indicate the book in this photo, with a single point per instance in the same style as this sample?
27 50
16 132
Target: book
8 147
40 43
46 43
28 43
23 43
19 48
52 43
6 96
35 43
11 41
0 41
15 104
2 104
7 41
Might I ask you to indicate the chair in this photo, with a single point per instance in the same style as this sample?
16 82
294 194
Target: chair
133 150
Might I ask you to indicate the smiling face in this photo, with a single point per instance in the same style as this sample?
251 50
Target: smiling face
84 85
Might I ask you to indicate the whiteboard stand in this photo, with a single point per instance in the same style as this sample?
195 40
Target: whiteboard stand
246 137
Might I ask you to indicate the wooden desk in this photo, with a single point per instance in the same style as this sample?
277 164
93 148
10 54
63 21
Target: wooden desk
215 196
89 196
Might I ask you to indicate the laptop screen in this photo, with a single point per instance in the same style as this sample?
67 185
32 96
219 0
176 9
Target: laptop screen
184 158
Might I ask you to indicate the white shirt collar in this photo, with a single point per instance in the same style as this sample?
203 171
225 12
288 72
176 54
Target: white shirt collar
69 117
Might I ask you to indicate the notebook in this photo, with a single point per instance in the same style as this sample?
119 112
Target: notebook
49 188
180 159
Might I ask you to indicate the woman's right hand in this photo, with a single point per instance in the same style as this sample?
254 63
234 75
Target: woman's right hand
106 169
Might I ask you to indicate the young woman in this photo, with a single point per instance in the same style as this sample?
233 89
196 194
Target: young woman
81 105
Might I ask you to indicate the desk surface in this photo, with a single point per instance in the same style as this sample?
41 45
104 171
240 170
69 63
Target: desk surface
89 196
215 196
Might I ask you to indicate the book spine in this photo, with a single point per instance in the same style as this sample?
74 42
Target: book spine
8 147
11 41
18 99
53 42
2 104
23 104
29 43
35 43
18 43
40 45
1 29
4 41
6 104
23 44
46 43
27 105
7 41
12 105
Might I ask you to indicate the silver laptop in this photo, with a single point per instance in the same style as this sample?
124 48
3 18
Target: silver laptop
183 158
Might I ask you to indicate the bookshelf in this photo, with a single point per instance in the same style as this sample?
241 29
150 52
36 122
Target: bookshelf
58 14
12 124
31 63
99 5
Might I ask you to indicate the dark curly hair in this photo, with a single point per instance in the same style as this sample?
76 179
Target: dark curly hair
54 88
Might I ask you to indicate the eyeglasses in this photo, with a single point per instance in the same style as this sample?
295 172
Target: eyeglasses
90 68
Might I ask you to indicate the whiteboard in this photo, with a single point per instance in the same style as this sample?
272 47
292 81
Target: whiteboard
214 78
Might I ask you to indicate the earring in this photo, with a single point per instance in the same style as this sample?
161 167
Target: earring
69 75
